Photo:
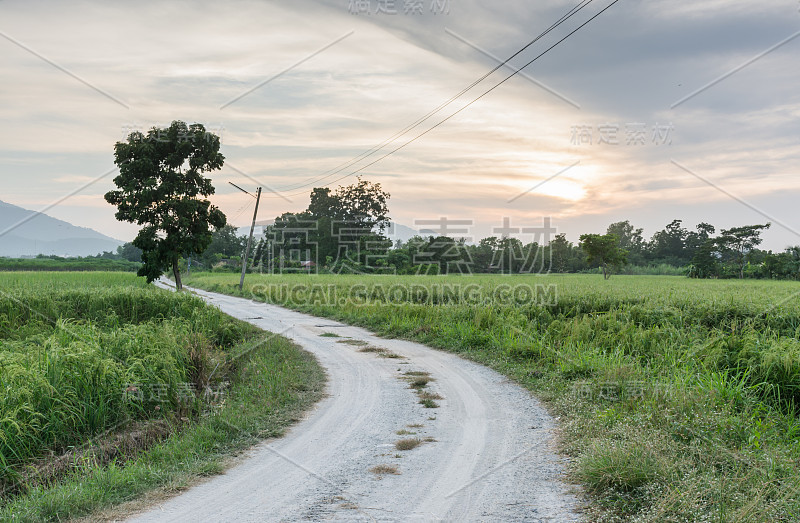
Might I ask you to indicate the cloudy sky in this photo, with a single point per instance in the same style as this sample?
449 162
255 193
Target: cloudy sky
653 111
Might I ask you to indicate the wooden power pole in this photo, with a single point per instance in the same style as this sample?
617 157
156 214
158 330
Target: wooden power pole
249 238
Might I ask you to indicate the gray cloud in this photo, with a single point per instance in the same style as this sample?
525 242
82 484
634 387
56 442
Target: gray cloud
182 61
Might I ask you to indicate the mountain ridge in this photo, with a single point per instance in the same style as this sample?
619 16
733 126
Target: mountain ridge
24 233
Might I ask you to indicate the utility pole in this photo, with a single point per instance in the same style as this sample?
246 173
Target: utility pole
249 238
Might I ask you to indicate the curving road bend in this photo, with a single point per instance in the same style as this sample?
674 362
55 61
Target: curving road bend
492 458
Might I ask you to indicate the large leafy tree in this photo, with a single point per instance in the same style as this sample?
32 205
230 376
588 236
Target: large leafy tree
699 239
561 253
705 260
162 187
784 265
363 204
740 242
669 244
604 251
343 227
630 239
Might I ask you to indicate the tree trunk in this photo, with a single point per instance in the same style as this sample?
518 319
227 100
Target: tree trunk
177 273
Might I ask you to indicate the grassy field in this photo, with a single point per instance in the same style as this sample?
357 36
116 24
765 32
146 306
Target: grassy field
67 264
110 388
677 398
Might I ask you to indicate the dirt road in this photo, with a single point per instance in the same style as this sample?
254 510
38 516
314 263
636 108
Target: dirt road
492 458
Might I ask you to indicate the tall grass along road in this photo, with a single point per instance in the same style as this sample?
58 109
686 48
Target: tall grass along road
111 390
406 433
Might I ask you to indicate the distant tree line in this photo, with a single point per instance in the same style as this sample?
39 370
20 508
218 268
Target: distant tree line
343 231
104 262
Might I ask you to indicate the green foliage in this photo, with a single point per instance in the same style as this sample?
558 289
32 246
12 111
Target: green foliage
610 466
362 205
784 265
225 244
71 345
270 386
604 251
160 184
345 227
705 260
669 244
740 243
338 239
630 239
130 252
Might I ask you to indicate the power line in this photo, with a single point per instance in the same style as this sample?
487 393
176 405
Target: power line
481 96
574 10
473 101
242 210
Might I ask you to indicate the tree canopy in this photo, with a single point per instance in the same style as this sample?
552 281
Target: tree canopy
342 229
604 251
740 242
162 187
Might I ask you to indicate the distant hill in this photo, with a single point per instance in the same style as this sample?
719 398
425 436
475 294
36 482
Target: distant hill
27 233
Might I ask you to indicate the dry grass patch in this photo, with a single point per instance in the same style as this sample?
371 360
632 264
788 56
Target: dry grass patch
429 404
407 443
381 470
415 426
381 352
420 383
425 395
350 341
376 350
404 432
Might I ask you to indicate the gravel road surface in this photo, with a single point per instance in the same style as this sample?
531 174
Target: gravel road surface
489 456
